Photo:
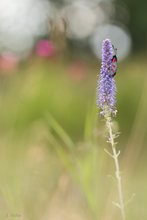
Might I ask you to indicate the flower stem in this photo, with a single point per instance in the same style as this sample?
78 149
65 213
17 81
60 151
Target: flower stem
115 155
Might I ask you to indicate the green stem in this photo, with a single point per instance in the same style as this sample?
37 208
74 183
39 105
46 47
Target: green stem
115 155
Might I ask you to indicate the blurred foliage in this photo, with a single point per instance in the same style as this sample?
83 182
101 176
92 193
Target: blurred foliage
138 22
57 88
52 160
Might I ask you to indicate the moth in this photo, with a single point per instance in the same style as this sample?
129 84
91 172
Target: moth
113 68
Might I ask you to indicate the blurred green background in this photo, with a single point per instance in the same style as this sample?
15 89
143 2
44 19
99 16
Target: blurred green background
52 140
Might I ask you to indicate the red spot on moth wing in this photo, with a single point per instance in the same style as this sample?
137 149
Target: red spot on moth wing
114 60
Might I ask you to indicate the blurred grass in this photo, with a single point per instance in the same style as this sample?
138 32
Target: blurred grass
52 142
42 89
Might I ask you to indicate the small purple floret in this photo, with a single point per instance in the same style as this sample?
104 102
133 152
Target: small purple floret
106 90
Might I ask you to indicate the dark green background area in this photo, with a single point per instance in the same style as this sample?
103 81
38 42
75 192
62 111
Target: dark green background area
137 22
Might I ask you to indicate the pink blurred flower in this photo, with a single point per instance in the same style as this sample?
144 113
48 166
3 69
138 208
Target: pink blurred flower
45 48
8 62
77 70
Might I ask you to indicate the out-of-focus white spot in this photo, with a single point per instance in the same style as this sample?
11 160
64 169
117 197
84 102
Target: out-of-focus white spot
81 20
102 17
108 8
21 22
20 45
87 2
119 37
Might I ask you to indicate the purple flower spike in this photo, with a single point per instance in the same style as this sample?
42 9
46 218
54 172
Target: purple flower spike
106 91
